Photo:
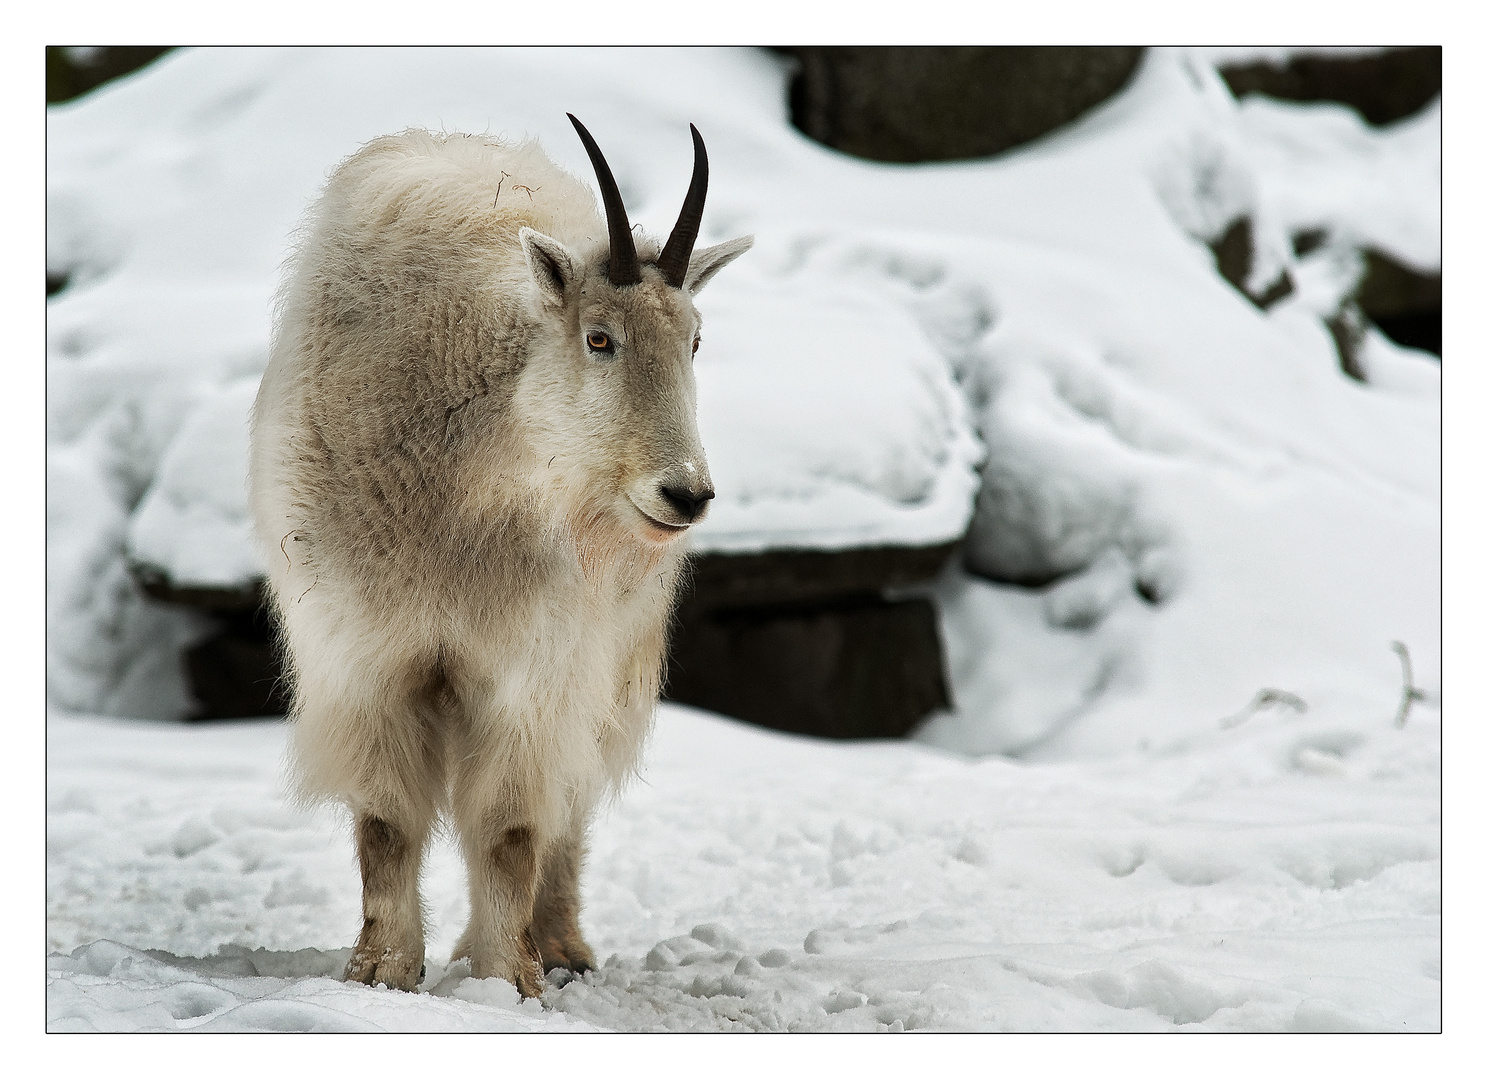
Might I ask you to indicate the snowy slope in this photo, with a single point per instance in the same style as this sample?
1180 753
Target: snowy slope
1280 874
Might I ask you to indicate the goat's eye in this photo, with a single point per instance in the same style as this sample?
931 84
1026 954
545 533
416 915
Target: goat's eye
695 343
599 341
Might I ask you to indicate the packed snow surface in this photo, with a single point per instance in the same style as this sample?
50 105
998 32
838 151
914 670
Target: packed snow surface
1195 556
1278 873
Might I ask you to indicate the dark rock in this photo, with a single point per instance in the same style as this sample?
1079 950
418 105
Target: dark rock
811 642
941 103
1391 288
1404 303
157 585
1419 330
1234 255
72 71
237 673
1347 326
866 668
1383 87
775 578
1308 240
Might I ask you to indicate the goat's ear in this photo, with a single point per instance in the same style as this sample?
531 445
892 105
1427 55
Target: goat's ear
550 263
710 260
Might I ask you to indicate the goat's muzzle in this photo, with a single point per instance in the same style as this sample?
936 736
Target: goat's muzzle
690 505
676 503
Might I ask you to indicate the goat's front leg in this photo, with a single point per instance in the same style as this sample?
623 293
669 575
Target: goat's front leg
503 858
390 949
555 918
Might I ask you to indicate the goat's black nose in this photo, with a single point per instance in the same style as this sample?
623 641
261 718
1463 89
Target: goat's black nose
686 502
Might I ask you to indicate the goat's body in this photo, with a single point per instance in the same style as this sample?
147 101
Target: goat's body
469 631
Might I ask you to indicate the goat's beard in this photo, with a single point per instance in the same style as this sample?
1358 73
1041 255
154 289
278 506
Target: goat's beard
616 542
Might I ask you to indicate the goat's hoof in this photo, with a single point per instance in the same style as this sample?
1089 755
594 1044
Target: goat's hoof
574 958
375 964
526 975
524 971
564 949
530 982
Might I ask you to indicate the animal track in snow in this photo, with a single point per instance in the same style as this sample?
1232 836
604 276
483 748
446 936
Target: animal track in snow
835 940
918 271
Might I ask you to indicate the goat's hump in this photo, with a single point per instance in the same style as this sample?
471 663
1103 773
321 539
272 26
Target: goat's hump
409 186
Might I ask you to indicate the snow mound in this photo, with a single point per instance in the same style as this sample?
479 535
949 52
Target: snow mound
831 418
1322 166
189 524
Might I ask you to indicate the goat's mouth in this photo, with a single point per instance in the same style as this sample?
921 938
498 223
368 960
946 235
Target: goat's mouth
661 531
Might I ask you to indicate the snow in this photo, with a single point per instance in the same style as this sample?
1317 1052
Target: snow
1171 792
1321 166
189 521
1279 873
874 445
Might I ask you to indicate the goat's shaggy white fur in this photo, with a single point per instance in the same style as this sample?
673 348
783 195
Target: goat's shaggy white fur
462 503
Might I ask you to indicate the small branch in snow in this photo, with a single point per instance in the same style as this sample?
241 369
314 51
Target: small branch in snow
1264 699
1409 691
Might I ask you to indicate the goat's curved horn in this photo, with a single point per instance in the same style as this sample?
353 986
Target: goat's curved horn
678 251
624 268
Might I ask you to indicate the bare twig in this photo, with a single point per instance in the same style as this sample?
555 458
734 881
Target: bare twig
504 175
1409 691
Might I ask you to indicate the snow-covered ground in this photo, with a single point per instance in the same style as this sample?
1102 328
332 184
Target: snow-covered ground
1278 874
1172 791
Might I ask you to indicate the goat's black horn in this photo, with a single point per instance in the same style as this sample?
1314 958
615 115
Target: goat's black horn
678 251
624 268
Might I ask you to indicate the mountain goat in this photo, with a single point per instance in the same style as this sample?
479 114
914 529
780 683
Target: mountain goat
474 452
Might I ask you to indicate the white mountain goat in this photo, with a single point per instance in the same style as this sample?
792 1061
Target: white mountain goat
475 450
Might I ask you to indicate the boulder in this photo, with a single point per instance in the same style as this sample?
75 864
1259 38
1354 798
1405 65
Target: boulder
1404 303
942 103
813 642
1383 86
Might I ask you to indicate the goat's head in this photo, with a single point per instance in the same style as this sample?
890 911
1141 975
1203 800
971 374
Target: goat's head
620 394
